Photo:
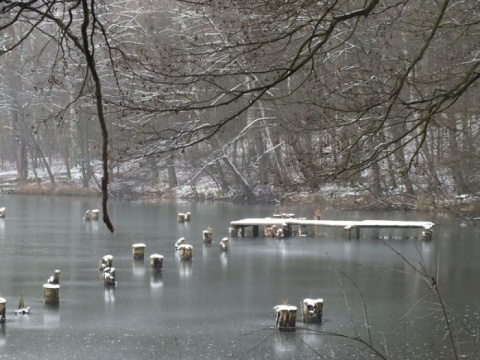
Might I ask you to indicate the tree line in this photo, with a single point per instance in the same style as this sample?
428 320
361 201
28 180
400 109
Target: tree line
283 94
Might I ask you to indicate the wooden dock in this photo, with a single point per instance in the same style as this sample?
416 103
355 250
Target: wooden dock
286 224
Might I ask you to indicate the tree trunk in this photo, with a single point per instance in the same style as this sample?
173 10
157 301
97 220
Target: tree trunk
172 174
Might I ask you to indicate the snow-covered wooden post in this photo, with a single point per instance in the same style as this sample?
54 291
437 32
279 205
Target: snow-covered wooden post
186 252
224 244
181 217
109 276
2 213
51 293
208 235
156 262
312 310
106 262
232 231
138 251
179 242
187 216
427 233
88 215
286 317
3 309
55 278
95 214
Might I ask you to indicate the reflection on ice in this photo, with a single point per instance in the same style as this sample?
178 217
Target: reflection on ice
3 340
51 316
138 268
185 268
109 295
224 259
156 279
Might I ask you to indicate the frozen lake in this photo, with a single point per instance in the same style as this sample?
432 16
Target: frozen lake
220 305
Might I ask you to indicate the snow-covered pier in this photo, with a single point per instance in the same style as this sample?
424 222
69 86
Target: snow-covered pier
240 227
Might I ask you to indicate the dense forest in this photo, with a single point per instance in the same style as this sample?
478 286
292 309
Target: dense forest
256 98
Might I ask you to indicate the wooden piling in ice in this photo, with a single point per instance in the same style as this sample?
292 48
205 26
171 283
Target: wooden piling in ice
187 216
106 261
51 293
3 309
138 251
186 252
179 242
224 244
95 214
286 317
427 233
88 215
208 235
3 213
181 217
109 276
55 278
312 310
156 262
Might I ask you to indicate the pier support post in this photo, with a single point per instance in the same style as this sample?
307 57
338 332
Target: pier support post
255 230
286 317
427 233
349 229
138 251
312 310
51 294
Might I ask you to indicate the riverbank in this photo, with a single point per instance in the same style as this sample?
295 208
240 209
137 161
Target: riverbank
135 186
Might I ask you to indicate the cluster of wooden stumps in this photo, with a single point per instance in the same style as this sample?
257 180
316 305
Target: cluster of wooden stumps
91 215
182 217
107 271
51 296
312 311
51 289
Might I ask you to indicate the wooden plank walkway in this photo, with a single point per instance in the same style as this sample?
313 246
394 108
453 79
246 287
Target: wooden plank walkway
237 227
